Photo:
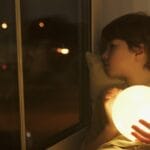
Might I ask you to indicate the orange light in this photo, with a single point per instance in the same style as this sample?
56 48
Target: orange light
4 66
63 51
41 24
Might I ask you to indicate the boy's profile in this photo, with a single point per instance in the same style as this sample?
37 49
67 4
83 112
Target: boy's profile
125 55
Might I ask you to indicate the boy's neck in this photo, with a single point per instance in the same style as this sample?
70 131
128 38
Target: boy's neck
142 81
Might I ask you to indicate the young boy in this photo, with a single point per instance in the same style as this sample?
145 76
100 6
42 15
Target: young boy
125 54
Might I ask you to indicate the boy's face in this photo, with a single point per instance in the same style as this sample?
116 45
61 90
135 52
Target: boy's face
118 59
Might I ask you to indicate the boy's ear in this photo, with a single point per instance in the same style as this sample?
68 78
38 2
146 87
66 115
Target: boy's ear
140 50
140 54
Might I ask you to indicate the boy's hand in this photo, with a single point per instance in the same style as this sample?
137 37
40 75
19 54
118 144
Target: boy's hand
108 102
141 135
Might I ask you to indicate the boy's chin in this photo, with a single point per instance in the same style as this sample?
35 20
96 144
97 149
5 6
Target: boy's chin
109 74
113 75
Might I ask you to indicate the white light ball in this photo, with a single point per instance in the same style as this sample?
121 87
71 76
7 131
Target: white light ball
130 105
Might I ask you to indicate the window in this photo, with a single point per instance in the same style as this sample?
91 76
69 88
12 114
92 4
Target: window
54 37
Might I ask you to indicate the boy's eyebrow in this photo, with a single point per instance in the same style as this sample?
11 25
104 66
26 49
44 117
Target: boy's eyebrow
112 45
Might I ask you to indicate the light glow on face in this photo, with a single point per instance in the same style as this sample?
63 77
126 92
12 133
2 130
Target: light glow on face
129 106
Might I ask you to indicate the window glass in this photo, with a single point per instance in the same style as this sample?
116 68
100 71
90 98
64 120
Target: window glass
53 63
9 104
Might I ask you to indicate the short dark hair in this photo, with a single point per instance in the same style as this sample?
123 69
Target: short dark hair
134 28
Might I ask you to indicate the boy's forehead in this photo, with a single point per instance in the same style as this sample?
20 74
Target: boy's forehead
116 41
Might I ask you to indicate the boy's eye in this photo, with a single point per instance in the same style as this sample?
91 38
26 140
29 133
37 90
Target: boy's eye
112 46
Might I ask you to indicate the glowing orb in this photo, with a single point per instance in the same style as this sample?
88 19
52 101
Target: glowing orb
130 105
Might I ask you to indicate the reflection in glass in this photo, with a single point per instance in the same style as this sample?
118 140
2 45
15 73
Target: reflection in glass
52 68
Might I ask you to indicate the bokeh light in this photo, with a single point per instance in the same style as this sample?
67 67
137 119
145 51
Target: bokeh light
41 24
4 25
63 51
